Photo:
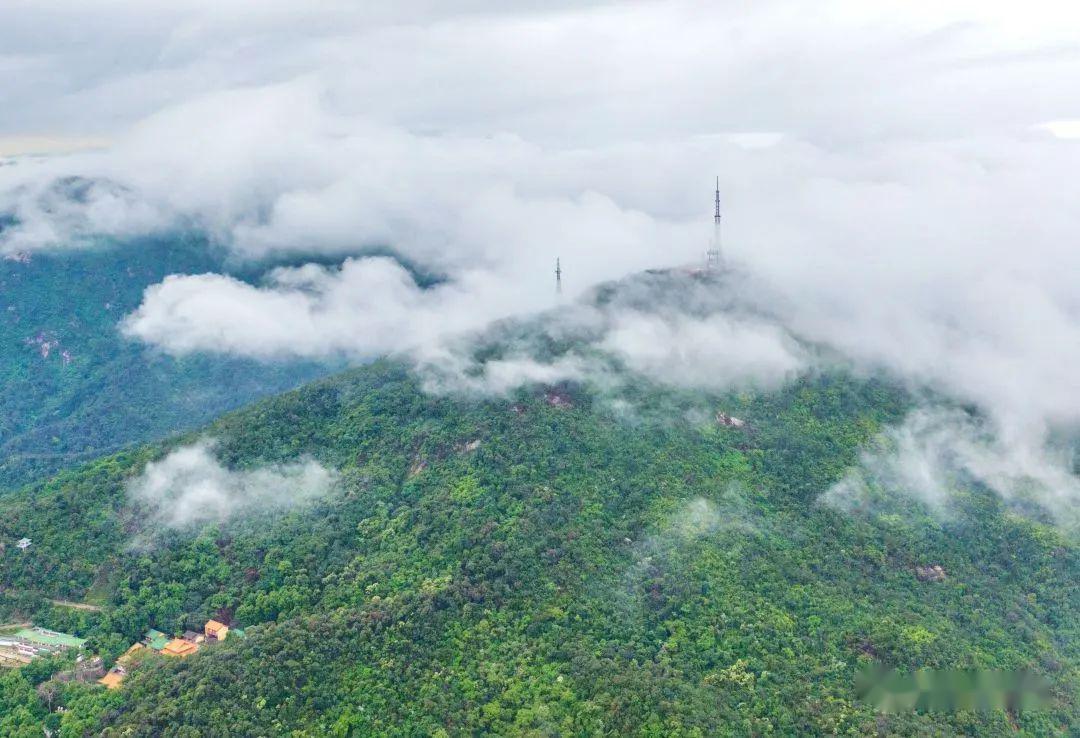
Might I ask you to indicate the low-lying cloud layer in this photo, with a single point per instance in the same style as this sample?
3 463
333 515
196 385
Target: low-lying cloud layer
367 307
673 327
715 352
190 487
936 452
898 182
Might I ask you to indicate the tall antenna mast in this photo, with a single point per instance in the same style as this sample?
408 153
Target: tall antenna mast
713 255
558 276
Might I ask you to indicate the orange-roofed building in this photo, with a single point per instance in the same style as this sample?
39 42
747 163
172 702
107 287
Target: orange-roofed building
179 647
111 680
216 630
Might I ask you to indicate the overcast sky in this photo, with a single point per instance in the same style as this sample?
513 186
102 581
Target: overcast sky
561 73
900 177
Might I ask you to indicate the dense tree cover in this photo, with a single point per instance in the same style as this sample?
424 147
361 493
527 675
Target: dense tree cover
72 387
513 567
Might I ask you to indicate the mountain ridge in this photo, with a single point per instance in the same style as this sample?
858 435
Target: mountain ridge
515 565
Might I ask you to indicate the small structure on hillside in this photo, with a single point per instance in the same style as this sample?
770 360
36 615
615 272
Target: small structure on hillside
24 543
15 652
179 648
155 640
216 631
188 643
50 639
116 675
27 644
158 642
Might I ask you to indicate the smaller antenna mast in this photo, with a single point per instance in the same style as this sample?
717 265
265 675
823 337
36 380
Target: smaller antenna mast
713 254
558 276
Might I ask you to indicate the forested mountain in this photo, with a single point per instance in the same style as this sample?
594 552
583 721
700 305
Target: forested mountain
72 387
543 564
662 369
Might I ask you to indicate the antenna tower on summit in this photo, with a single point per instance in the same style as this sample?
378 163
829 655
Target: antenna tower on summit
558 276
714 258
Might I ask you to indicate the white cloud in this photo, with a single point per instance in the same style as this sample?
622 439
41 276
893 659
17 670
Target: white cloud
935 452
894 198
672 328
191 487
367 307
1068 129
448 367
716 352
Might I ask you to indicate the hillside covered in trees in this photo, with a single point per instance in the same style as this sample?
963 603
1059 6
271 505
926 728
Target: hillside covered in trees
557 561
72 387
664 369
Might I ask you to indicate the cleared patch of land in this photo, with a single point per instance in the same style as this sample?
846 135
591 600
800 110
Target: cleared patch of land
76 605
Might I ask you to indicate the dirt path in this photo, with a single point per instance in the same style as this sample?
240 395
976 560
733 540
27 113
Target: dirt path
76 605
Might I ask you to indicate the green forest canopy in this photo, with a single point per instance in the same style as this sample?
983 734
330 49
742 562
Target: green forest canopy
515 567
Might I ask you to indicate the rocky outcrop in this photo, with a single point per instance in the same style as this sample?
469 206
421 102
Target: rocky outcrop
729 421
932 573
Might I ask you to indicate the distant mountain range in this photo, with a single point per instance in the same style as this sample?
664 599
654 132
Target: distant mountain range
72 387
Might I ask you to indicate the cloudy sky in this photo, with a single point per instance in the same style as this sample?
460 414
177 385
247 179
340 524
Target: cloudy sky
899 178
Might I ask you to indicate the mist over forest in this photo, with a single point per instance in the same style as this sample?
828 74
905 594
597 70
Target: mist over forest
404 341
